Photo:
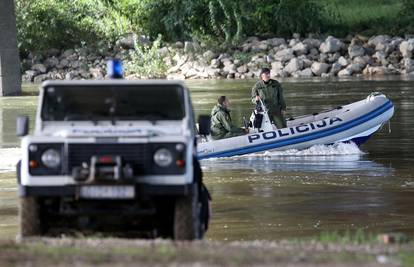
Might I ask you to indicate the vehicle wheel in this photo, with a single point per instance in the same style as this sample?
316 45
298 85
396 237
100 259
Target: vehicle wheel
205 209
187 224
29 217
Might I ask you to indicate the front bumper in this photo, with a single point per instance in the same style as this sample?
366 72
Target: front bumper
141 190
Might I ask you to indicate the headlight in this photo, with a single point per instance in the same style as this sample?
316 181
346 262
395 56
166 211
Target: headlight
163 157
51 158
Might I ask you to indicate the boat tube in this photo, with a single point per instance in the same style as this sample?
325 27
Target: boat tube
354 122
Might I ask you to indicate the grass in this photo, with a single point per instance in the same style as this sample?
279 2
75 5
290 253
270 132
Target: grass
355 237
366 17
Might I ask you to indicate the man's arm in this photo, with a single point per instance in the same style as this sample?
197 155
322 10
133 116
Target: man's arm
228 125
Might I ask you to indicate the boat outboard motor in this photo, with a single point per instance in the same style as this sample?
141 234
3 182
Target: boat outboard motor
260 119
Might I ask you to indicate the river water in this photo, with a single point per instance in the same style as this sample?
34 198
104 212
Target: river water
287 194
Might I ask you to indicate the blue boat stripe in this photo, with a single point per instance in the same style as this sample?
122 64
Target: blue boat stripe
300 139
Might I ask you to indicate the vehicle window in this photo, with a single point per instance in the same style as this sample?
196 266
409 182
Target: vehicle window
81 103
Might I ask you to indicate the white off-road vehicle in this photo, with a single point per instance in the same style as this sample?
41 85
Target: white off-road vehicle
112 156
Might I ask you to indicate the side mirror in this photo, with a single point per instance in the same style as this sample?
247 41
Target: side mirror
22 125
204 124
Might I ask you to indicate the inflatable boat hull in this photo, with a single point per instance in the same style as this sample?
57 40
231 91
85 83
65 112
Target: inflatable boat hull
354 122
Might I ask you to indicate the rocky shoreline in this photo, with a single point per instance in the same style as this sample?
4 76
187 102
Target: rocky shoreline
295 57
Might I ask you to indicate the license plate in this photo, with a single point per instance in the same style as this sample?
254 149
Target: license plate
107 191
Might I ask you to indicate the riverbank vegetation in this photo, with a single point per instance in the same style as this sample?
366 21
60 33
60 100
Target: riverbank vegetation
62 24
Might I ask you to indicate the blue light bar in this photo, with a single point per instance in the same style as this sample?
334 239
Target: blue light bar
114 69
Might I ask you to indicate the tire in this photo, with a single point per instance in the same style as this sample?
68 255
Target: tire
29 217
187 224
205 201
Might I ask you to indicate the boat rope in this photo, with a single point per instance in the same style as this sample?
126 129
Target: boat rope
389 127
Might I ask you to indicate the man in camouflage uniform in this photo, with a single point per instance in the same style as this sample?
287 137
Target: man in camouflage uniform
271 93
221 125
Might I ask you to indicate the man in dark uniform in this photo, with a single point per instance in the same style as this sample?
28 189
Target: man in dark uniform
221 125
271 93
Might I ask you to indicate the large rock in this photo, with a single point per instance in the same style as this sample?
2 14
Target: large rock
331 45
345 73
40 68
213 72
196 46
312 43
242 69
307 63
178 45
276 41
379 39
278 73
300 49
395 57
40 78
332 58
379 70
190 73
259 46
318 68
356 51
71 75
277 65
284 55
29 75
215 63
294 65
127 42
164 52
306 73
209 55
385 47
96 73
336 67
408 65
406 48
314 53
293 42
355 68
64 63
175 76
67 53
230 68
189 47
51 62
363 61
381 57
343 62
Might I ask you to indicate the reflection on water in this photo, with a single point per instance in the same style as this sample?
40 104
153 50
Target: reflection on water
289 193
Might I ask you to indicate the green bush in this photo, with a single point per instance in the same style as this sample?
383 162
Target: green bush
44 24
146 60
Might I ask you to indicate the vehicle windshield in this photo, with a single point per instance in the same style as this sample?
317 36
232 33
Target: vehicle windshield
109 102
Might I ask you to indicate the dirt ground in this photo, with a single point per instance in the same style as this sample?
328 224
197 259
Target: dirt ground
126 252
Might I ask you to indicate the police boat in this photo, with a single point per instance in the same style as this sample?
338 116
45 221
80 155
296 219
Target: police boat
354 122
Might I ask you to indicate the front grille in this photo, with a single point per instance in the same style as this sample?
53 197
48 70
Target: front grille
137 155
